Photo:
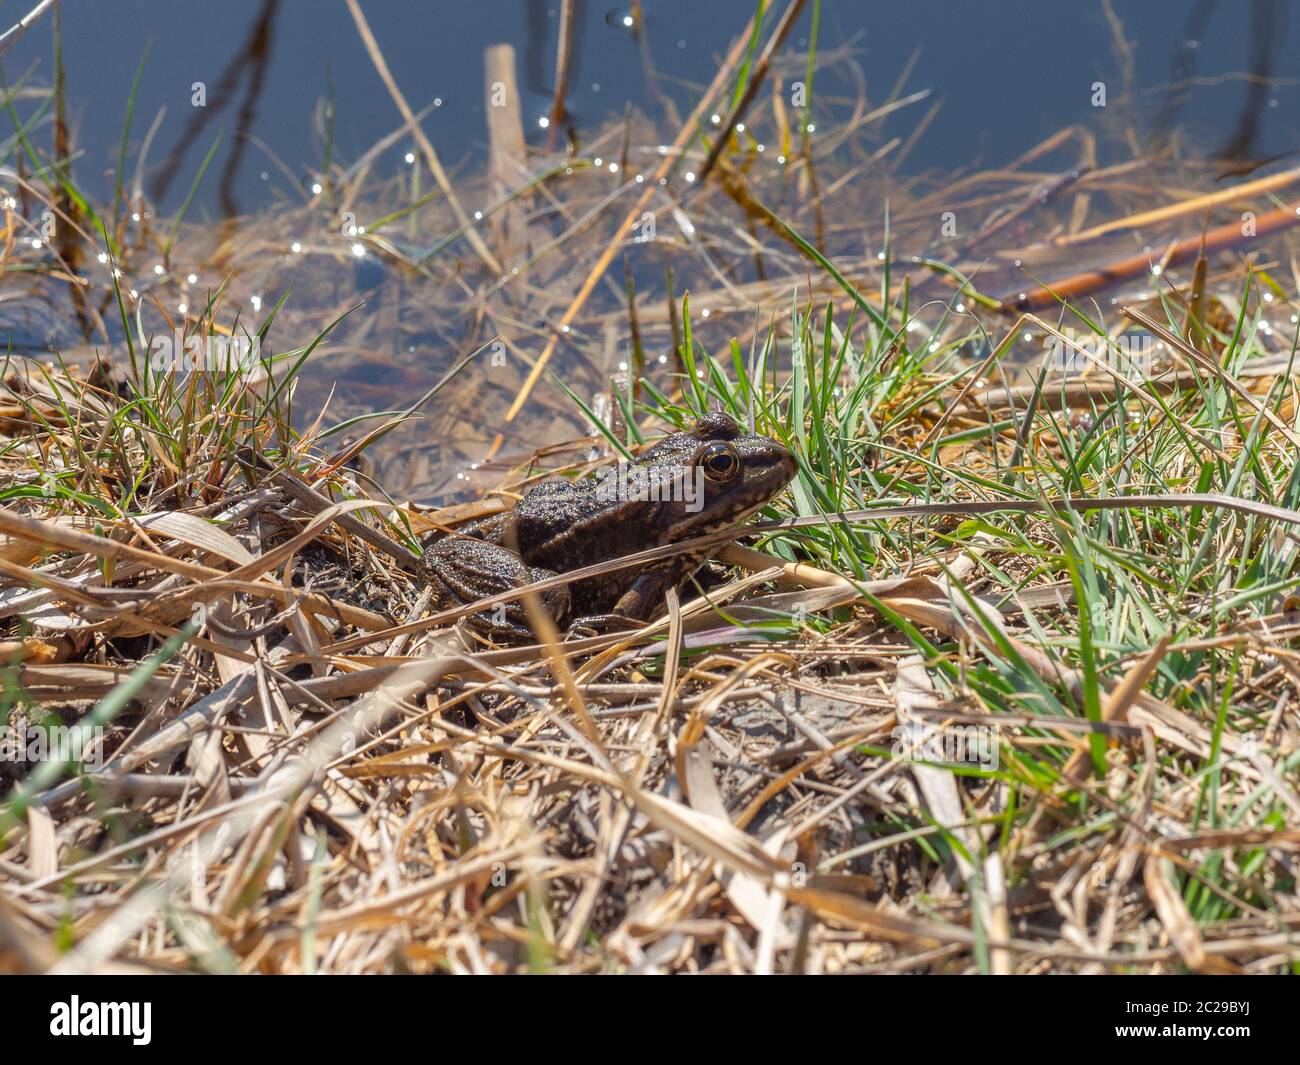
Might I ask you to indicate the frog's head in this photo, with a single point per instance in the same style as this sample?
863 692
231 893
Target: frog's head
721 475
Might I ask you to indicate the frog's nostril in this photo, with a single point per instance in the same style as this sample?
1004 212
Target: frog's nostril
772 458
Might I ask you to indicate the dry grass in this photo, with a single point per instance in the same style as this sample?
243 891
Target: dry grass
301 769
328 781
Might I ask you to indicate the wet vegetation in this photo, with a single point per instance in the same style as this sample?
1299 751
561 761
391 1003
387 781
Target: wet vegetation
1005 681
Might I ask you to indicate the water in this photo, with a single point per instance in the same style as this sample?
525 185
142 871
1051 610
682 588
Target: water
1009 73
1184 80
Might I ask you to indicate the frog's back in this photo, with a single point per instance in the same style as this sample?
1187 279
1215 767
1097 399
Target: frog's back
564 526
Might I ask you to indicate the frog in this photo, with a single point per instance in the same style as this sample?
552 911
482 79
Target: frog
704 479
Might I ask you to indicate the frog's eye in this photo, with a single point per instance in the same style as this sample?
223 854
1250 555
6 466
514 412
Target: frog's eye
720 462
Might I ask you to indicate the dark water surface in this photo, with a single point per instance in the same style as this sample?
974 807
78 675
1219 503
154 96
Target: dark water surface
1008 72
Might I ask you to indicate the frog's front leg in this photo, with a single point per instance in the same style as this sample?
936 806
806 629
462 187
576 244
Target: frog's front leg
644 596
462 571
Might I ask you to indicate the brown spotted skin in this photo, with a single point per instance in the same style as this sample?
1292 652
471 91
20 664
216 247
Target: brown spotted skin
561 526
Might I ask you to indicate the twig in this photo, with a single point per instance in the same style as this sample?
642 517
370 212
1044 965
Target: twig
1178 210
611 249
11 35
430 156
563 54
755 81
1224 236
